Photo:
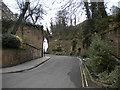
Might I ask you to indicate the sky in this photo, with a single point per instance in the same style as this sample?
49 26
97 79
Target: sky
52 7
47 4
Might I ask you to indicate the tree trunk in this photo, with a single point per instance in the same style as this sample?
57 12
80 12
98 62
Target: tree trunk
87 10
19 21
101 10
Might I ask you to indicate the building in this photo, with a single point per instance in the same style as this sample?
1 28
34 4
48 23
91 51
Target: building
6 13
0 10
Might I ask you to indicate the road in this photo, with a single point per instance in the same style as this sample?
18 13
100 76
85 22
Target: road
58 72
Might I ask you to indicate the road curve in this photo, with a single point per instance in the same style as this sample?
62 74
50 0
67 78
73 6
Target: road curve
58 72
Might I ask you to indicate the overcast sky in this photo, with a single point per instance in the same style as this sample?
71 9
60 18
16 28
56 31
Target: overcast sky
51 11
52 8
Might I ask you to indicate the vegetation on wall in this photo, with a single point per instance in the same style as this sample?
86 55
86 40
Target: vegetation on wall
74 43
10 41
33 25
6 24
100 55
102 63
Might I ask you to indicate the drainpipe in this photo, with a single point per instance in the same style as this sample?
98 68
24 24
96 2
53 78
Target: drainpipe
42 41
117 44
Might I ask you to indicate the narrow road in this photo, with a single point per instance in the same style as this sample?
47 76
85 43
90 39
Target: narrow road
58 72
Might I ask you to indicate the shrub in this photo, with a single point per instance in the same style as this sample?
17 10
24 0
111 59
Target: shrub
21 41
104 76
10 41
74 43
114 77
99 26
100 56
6 24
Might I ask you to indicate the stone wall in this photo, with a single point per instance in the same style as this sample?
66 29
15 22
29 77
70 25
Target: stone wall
32 41
12 57
64 44
113 37
66 47
32 47
31 36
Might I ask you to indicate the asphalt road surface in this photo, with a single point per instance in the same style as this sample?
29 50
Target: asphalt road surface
58 72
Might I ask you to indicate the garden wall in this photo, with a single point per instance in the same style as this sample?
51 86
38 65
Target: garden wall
32 47
113 37
12 57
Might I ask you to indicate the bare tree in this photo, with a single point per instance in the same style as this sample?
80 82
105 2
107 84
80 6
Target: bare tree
28 13
24 9
35 13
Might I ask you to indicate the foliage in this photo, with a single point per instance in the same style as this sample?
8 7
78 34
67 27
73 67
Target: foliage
20 39
85 55
33 25
95 11
118 17
74 43
25 6
113 21
104 76
62 17
100 56
99 26
6 24
61 30
112 78
10 41
73 53
28 13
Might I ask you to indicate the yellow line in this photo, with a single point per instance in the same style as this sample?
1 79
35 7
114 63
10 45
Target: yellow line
85 79
82 71
81 76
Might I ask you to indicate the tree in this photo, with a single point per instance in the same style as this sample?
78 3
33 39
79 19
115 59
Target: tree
62 17
97 12
35 13
27 12
100 56
101 10
17 24
59 29
86 5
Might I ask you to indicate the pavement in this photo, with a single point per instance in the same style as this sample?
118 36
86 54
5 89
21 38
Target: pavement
25 66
